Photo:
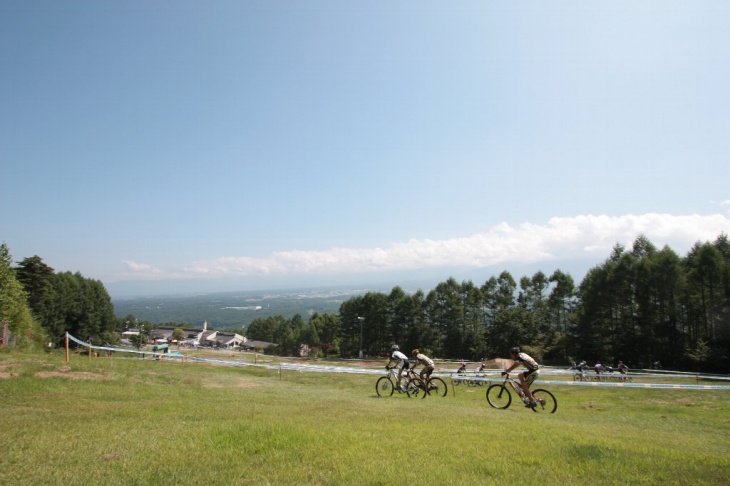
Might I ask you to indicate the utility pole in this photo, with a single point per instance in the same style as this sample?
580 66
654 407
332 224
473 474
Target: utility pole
361 319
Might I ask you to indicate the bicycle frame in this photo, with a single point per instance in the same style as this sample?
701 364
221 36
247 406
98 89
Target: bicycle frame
515 384
387 384
411 384
499 396
475 379
620 377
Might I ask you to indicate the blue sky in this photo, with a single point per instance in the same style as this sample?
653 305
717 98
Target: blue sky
209 145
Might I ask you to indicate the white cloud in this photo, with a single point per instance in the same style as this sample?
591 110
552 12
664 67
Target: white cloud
142 268
563 238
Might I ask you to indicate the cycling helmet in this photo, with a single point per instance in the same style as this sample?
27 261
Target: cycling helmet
395 348
415 351
515 350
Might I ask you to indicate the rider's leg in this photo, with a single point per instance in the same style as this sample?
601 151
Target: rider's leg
526 387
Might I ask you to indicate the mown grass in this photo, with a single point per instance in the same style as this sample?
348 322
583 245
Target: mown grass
101 421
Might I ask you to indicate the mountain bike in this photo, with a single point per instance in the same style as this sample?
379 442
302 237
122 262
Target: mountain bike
386 385
463 378
436 386
622 377
415 387
499 396
411 385
580 376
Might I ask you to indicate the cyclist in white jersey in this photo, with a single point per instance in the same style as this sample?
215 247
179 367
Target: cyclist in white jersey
398 359
526 377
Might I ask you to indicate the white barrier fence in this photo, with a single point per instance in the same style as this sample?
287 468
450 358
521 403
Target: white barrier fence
486 378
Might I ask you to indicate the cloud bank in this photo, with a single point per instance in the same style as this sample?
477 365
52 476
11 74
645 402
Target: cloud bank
142 268
562 238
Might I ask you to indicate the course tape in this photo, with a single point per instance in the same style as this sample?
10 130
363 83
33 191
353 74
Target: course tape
121 350
486 378
638 385
497 379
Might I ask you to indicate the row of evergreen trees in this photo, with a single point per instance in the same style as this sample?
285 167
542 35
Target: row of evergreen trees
640 306
40 305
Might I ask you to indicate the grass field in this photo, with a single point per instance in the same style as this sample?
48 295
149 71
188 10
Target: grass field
125 421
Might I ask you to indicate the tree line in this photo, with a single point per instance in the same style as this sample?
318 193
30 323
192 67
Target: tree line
46 304
640 305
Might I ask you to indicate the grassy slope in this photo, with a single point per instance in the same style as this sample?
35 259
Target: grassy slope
118 421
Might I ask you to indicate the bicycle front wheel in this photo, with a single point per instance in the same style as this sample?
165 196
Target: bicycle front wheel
498 396
415 388
546 401
437 387
384 387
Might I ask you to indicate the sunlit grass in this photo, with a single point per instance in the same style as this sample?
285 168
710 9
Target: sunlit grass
101 421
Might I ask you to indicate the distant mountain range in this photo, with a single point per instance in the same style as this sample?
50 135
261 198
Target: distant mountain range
214 301
424 279
234 310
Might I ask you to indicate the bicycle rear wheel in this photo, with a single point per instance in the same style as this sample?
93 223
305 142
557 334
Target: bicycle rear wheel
415 388
437 387
384 387
498 396
546 401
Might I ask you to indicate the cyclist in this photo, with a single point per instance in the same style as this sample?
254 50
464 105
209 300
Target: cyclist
623 369
422 359
598 367
526 377
400 360
462 368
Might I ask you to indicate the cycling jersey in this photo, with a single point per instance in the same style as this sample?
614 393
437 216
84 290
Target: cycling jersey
424 360
527 362
400 359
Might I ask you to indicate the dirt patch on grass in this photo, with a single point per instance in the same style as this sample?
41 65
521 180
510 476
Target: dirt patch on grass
592 406
689 401
71 375
232 383
5 374
112 455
